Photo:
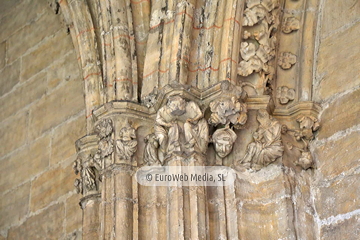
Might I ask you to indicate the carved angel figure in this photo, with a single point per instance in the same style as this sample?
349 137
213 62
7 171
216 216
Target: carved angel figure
127 143
180 126
267 145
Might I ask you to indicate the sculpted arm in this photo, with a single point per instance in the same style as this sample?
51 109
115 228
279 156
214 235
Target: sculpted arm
160 120
198 114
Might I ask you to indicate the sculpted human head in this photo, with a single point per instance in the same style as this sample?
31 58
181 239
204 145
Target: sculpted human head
176 105
224 139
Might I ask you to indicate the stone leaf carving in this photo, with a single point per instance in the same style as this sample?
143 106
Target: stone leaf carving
290 24
286 60
150 100
261 19
230 107
127 143
151 150
104 129
181 128
223 140
308 125
285 94
267 146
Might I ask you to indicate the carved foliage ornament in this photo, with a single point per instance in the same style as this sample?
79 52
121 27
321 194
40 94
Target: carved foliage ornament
290 24
286 60
285 94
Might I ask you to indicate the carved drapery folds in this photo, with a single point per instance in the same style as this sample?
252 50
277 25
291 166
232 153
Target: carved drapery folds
185 84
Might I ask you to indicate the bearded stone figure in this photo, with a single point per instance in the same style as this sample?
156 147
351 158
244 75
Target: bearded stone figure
180 128
267 145
223 140
127 143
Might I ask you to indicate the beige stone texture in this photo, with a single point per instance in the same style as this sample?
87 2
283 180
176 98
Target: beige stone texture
46 53
7 5
348 229
73 214
51 185
55 108
337 14
25 12
64 136
338 197
14 205
32 34
340 115
49 224
9 77
25 163
332 161
13 132
24 95
339 68
2 54
65 69
265 221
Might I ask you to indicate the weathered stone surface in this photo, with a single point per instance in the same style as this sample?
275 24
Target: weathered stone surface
14 205
46 225
266 221
25 94
338 197
6 6
339 13
347 229
51 185
32 34
25 12
332 160
45 54
25 164
73 214
13 133
2 54
340 69
256 188
57 107
62 146
65 69
340 115
9 77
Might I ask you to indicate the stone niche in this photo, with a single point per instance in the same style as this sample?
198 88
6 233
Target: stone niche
194 83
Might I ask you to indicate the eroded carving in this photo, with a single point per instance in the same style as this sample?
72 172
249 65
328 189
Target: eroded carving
285 94
89 177
230 108
104 129
308 125
286 60
151 150
267 146
127 143
181 128
290 24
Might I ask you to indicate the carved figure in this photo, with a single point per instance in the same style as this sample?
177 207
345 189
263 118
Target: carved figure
151 150
267 145
223 140
127 143
104 130
180 126
285 94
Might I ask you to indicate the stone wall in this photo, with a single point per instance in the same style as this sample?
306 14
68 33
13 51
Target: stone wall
41 115
336 188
